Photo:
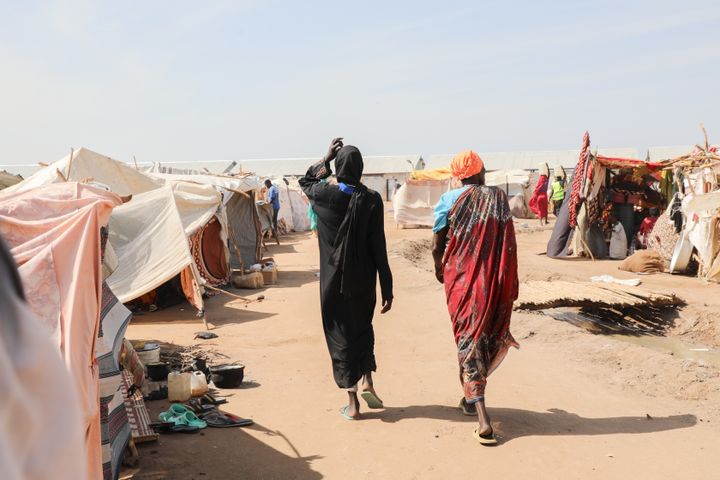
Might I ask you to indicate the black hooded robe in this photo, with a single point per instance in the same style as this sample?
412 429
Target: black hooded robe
351 234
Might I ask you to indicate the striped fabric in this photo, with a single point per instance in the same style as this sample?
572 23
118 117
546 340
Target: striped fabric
137 413
113 419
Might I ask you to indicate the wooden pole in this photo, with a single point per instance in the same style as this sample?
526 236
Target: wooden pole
237 252
219 290
707 144
136 165
240 192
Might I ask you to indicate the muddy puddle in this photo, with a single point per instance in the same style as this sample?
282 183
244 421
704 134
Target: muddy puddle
645 326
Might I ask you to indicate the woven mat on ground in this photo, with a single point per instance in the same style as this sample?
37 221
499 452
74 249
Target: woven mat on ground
538 295
137 413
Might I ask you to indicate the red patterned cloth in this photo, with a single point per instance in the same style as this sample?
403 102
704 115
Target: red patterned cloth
210 254
578 182
612 162
481 283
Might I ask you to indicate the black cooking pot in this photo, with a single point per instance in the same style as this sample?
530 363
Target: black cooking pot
227 376
158 371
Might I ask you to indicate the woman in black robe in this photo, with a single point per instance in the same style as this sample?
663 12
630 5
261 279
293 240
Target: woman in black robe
351 233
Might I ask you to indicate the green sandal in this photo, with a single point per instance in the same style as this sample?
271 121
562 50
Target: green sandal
192 420
180 415
371 399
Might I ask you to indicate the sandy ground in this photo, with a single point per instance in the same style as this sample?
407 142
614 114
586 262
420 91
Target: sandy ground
568 404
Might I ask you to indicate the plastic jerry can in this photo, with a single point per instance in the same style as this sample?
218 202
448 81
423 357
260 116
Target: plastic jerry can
179 386
199 386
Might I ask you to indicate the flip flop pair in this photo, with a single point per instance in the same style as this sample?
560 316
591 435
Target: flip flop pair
182 418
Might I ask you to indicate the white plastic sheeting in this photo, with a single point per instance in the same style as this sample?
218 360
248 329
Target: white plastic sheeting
517 185
196 204
149 234
149 240
701 229
243 184
88 165
514 182
293 205
240 221
414 202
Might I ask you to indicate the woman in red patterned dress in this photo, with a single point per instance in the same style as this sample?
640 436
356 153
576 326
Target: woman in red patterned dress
476 258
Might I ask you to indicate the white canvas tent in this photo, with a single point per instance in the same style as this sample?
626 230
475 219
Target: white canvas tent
152 230
242 220
230 184
701 209
148 237
89 165
293 204
517 185
414 202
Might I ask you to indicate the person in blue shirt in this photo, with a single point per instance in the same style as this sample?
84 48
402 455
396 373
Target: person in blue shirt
273 197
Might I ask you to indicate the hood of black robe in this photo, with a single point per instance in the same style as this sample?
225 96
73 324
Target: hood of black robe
349 165
356 278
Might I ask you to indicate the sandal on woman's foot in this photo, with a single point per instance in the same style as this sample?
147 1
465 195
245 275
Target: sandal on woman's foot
487 439
371 399
344 413
467 409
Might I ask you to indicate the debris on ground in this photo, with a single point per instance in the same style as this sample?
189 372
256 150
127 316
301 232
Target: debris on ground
631 282
205 335
181 358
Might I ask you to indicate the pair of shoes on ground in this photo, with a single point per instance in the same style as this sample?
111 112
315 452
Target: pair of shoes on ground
181 418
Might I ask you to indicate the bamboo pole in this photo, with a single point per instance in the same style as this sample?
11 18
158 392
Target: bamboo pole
707 144
219 290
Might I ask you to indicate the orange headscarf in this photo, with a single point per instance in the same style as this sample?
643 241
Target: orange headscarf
466 164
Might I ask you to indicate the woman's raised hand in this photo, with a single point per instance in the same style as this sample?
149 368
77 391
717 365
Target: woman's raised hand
334 148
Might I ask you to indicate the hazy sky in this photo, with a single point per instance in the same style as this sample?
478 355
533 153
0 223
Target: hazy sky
172 80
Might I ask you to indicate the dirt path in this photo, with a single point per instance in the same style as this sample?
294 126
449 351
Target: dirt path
568 404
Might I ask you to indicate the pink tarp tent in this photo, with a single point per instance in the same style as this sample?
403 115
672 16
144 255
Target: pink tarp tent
53 233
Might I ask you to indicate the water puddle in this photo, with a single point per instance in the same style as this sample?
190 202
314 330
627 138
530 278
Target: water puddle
645 326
